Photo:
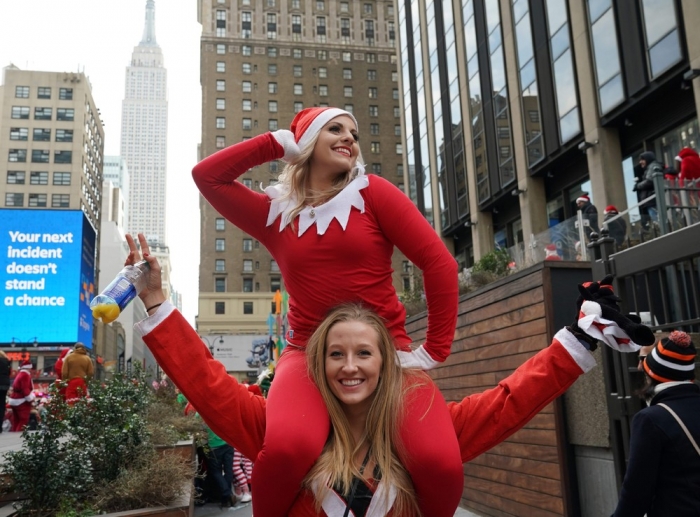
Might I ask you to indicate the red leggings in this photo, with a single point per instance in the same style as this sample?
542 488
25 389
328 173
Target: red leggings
298 426
20 416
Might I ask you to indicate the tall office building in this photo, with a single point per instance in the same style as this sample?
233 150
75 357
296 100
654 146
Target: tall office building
52 142
262 62
513 108
144 134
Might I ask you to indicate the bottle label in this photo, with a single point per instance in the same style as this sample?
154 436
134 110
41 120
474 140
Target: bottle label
121 291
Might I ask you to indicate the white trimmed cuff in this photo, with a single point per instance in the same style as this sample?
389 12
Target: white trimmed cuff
147 324
576 349
418 358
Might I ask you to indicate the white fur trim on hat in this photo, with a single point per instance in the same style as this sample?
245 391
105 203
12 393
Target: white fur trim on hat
678 159
583 199
321 120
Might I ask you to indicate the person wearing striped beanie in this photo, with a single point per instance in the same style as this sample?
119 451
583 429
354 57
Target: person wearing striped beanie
663 472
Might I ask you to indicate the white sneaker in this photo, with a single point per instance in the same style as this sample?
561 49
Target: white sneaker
246 497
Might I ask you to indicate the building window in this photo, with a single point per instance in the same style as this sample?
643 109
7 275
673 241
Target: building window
65 94
374 111
296 53
344 7
271 51
272 69
399 170
219 285
272 124
43 92
374 147
220 49
397 130
220 66
322 72
219 265
272 88
17 155
63 157
16 177
347 57
349 108
220 104
61 178
40 156
220 245
371 58
372 93
275 284
298 89
394 77
399 148
247 182
220 23
661 34
65 114
345 31
246 68
220 224
246 105
273 166
22 133
22 92
298 106
42 113
219 307
220 122
371 75
20 112
246 86
347 91
60 200
296 70
272 106
247 245
14 199
397 112
367 8
320 29
246 50
377 168
369 33
322 55
274 267
374 129
246 25
247 285
323 90
247 307
38 178
395 94
37 200
271 26
64 135
220 142
248 266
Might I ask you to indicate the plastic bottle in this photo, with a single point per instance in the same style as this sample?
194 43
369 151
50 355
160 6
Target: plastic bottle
108 305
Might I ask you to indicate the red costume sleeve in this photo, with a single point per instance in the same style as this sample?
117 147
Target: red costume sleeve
228 408
484 420
216 175
409 231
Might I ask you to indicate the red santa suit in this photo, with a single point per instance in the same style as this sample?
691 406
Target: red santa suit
690 165
340 252
22 396
480 421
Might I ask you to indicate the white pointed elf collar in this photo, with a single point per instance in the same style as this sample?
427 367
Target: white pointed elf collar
338 207
333 505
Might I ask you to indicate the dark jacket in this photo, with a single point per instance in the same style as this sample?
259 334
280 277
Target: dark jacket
4 375
616 228
645 184
663 473
590 212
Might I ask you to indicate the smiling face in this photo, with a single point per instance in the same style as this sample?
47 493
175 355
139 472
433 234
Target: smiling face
353 364
336 149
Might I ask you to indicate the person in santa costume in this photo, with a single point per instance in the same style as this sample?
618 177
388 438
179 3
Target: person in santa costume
332 229
22 396
351 358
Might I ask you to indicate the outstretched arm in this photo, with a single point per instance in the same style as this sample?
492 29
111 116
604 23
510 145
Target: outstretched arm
229 409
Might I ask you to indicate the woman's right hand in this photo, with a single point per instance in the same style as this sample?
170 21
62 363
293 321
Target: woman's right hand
152 294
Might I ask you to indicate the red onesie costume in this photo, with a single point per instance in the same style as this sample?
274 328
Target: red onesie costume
326 262
22 396
480 421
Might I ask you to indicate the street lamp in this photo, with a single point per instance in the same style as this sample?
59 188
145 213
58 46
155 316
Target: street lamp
15 341
210 345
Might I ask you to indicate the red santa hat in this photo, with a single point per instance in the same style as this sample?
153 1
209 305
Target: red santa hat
610 209
26 364
583 198
551 247
308 122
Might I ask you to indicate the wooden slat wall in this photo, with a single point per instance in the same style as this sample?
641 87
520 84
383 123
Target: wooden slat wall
497 331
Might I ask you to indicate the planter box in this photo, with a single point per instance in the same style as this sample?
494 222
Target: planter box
183 448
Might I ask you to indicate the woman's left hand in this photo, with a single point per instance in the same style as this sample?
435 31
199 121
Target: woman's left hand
152 294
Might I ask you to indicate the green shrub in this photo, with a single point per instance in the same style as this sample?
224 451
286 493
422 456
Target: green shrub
495 262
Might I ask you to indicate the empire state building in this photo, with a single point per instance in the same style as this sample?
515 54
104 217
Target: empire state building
144 135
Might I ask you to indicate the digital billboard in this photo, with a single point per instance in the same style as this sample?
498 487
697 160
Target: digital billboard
47 277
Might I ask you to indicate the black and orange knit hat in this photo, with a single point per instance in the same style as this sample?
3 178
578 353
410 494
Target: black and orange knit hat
672 359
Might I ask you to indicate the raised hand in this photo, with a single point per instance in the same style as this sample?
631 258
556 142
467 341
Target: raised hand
152 294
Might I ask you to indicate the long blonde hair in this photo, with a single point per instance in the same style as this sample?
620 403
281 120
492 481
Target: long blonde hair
4 355
295 177
336 467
